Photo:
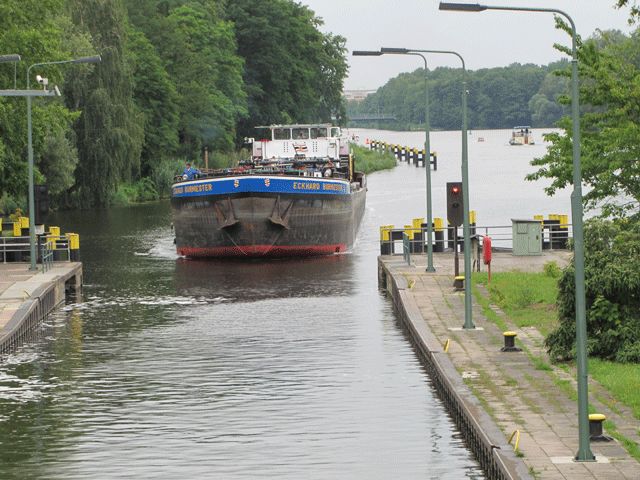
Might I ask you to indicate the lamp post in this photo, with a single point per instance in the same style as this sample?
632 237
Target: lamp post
468 321
427 149
32 219
427 144
584 450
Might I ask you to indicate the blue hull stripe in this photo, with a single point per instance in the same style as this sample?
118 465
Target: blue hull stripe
261 184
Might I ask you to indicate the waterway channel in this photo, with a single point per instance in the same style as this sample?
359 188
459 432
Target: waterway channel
288 369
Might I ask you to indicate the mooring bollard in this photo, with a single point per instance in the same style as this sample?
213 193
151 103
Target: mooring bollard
595 428
438 229
386 245
510 342
74 247
458 283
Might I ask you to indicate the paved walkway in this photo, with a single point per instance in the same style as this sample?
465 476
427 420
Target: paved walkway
514 392
17 284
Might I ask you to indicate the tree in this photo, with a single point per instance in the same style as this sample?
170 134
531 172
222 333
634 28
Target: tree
155 95
292 71
634 13
610 128
612 252
110 129
39 32
199 49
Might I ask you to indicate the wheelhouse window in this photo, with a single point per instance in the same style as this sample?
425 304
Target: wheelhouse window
335 132
281 134
318 132
300 133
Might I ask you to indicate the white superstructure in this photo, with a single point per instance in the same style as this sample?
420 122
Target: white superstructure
300 141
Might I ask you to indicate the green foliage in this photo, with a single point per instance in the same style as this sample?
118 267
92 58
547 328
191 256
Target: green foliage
499 97
110 130
369 161
293 72
527 298
155 95
621 379
162 174
143 190
610 127
551 269
176 76
612 251
8 204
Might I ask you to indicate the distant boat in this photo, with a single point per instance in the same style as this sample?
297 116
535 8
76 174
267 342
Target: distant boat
521 135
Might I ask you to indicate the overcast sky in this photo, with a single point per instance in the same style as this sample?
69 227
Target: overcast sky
484 39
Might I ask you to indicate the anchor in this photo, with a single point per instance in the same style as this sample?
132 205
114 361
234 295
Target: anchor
229 219
281 219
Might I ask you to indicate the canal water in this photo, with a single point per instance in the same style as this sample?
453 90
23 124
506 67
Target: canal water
287 369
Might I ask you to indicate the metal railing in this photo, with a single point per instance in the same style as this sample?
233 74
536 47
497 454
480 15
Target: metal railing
50 248
46 255
406 248
413 240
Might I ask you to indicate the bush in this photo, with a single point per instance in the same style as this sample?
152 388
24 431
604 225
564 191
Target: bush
163 174
8 204
142 191
551 269
369 161
612 284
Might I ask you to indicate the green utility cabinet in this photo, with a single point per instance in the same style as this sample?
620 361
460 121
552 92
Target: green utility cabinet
527 237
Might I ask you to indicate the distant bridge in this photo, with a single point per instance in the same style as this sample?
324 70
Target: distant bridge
372 117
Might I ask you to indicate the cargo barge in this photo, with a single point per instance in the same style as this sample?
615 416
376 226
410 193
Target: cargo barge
298 195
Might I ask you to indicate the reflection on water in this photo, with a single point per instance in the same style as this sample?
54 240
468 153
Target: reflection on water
250 280
175 368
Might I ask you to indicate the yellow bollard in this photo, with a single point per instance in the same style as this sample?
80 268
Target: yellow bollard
417 223
386 246
408 229
564 221
74 246
472 217
385 232
74 241
24 222
54 235
17 229
438 224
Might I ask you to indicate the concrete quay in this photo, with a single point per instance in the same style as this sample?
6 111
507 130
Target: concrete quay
26 297
492 394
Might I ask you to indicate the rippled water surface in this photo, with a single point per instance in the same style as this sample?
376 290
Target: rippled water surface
170 368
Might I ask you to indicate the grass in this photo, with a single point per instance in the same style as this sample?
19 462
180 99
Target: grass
369 161
528 299
621 379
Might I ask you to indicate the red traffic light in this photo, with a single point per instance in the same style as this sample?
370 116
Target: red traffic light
455 189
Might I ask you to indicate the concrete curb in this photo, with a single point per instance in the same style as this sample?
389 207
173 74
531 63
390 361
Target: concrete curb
33 310
483 436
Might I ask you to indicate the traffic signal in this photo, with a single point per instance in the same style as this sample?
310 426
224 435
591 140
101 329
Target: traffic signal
455 213
41 197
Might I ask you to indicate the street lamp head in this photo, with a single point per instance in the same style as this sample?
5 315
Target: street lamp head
366 53
401 51
462 7
10 58
92 59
